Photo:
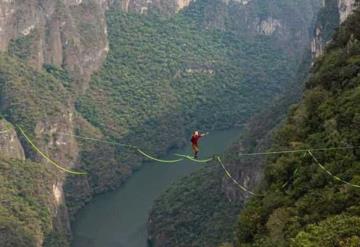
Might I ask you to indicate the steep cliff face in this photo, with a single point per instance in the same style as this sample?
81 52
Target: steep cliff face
52 134
31 194
41 102
302 204
72 35
248 171
38 103
346 8
167 7
271 19
32 210
261 129
66 33
331 15
10 146
69 40
223 62
254 19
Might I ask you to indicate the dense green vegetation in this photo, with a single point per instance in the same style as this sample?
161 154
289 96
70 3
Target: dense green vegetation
256 138
312 208
168 76
35 100
104 174
216 194
162 78
181 222
25 209
22 46
27 95
32 99
26 203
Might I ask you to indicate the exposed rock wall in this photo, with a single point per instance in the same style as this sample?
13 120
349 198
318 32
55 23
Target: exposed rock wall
32 213
346 7
56 130
259 129
11 150
10 146
333 13
39 104
317 43
182 4
67 33
248 171
292 201
286 23
143 6
268 26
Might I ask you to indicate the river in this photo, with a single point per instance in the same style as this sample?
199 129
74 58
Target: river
118 218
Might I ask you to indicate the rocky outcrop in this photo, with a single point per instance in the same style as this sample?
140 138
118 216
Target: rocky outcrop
10 146
143 6
346 7
268 26
54 138
317 43
245 19
45 184
40 105
332 13
182 4
31 211
71 34
292 196
67 33
256 17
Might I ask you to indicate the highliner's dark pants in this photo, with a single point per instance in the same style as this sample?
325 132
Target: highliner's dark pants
195 149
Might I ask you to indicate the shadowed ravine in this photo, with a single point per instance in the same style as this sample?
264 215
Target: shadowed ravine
118 219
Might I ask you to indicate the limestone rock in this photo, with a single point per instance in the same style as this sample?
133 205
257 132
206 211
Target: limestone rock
10 146
67 33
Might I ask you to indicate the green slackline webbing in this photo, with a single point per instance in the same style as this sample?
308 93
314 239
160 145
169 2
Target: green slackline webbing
240 154
233 179
195 160
124 145
297 151
210 159
46 157
329 173
156 159
217 157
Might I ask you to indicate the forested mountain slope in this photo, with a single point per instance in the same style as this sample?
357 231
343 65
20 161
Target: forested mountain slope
32 206
301 204
174 74
27 207
166 73
181 202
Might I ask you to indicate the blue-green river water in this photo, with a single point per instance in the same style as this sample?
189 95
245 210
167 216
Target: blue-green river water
118 218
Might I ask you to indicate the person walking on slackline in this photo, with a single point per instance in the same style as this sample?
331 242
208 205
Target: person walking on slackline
195 142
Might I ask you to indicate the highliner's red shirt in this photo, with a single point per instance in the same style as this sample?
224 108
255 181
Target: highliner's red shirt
195 139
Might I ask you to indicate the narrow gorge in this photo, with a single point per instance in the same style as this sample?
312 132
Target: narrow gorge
144 73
